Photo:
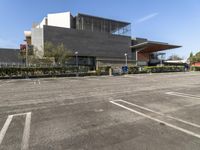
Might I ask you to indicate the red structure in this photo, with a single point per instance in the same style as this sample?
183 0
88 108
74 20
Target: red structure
23 49
197 64
145 50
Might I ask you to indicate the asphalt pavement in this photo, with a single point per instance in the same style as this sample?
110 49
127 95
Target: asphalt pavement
132 112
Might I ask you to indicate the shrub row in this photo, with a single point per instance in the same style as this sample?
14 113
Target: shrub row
195 68
103 70
44 71
160 69
147 69
156 69
83 71
133 70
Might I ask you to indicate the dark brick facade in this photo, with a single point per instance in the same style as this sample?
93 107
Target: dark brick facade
87 43
10 56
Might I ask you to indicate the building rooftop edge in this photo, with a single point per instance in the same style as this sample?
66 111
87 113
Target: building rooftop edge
125 22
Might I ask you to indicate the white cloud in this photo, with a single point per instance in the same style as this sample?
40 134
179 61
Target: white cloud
146 18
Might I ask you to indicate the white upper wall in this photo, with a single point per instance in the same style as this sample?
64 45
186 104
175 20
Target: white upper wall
37 40
42 23
57 20
60 19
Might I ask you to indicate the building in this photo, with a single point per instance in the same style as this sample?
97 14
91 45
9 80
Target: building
98 41
10 57
196 64
147 52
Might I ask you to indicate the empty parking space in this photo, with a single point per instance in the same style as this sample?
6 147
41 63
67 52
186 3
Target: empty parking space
154 111
15 132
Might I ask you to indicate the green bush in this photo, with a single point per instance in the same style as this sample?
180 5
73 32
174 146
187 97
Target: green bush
195 68
155 69
103 70
40 71
83 71
133 70
160 69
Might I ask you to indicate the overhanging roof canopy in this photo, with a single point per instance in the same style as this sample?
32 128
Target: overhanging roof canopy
108 23
151 46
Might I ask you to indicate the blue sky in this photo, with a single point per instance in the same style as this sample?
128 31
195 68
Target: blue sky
172 21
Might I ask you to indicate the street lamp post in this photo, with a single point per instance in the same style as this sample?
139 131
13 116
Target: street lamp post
126 64
76 54
26 63
136 57
26 54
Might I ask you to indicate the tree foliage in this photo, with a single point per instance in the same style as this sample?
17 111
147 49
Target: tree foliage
175 57
194 58
58 52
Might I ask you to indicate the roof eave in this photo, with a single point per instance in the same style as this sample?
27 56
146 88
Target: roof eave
155 43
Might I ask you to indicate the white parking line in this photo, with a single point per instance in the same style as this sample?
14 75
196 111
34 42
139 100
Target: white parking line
183 95
157 120
168 116
5 128
5 82
36 81
20 114
26 133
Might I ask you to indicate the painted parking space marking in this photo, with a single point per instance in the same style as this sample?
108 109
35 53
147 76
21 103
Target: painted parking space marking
5 128
36 81
156 120
161 114
26 133
183 95
4 83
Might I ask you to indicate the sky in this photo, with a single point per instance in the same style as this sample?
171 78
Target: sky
172 21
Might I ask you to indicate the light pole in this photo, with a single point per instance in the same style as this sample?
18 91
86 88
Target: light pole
136 57
126 64
76 54
26 53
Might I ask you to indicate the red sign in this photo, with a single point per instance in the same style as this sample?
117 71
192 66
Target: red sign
22 46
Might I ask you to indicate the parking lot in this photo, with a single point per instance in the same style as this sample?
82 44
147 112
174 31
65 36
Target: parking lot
140 112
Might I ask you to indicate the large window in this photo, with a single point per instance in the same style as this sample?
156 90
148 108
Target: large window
96 24
82 61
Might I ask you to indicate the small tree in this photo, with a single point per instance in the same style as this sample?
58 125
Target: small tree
191 55
58 52
194 58
174 57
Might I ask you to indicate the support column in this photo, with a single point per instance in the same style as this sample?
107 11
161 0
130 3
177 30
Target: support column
136 57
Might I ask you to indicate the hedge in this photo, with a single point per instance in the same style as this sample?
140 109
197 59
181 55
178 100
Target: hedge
195 68
162 69
133 70
83 71
42 71
155 69
103 70
33 72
